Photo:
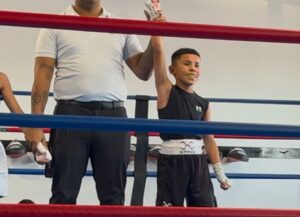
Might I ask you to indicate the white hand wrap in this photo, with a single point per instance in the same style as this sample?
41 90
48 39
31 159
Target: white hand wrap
222 178
42 155
153 12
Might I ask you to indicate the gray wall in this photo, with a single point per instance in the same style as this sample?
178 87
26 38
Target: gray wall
230 69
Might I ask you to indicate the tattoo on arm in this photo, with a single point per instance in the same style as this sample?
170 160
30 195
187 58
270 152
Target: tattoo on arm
43 75
46 68
37 99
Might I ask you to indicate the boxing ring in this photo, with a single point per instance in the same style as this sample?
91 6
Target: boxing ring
142 125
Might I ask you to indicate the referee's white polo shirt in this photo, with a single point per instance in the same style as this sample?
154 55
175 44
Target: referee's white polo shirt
89 64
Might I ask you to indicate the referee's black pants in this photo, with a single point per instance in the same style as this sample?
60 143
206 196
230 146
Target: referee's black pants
71 150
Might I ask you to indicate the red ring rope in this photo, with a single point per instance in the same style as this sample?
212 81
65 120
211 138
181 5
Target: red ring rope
26 210
148 27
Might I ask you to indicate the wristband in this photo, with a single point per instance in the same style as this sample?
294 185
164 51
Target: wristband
220 175
42 154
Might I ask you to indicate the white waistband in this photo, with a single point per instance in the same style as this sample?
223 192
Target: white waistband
181 147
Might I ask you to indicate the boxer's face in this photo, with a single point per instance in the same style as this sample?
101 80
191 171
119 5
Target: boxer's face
186 69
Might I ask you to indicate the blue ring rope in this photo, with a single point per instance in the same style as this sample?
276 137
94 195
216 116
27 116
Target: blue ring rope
15 171
216 100
148 125
104 123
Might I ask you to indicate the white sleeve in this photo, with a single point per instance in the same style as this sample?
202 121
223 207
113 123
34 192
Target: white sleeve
46 44
132 47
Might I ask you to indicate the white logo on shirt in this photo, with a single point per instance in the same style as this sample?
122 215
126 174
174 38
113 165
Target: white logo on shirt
198 108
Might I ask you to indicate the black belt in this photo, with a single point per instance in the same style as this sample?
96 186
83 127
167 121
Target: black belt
93 104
